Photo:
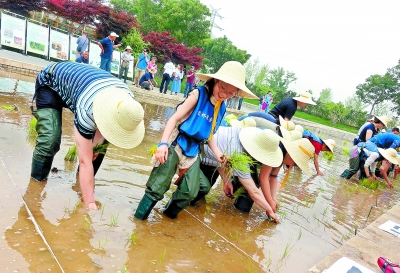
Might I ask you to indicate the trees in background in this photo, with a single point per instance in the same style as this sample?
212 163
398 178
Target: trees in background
22 7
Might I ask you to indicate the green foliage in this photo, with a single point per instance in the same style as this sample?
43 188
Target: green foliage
328 155
187 20
134 40
346 151
153 149
278 81
325 95
373 185
345 143
72 154
32 128
100 148
220 50
131 237
240 192
9 107
239 161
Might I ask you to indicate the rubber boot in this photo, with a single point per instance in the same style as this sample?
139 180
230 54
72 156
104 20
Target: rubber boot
171 210
243 203
347 174
144 208
40 170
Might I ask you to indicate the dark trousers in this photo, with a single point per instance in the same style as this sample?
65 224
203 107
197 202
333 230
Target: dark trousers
166 78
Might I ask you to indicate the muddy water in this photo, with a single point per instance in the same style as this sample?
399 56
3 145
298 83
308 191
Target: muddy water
318 214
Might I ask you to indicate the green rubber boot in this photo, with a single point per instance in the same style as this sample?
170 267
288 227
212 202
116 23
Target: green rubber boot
171 209
347 174
144 208
40 170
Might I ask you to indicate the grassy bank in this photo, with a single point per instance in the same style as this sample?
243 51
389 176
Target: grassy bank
315 119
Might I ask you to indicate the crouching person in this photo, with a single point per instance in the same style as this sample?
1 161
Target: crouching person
104 111
198 119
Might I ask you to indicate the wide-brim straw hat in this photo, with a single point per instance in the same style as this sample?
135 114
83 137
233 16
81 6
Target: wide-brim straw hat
153 70
383 119
306 98
119 117
262 145
128 47
265 124
300 151
244 123
290 135
287 124
330 143
233 73
299 128
390 154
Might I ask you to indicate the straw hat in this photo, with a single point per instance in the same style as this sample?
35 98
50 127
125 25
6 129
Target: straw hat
244 123
306 98
119 117
290 135
113 34
287 124
299 128
233 73
390 154
383 119
262 145
265 124
128 47
153 70
300 151
330 143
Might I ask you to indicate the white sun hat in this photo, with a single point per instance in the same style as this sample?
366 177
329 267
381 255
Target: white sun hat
119 117
113 34
290 135
383 119
262 145
300 151
330 143
299 128
390 154
306 98
246 122
287 124
128 47
233 73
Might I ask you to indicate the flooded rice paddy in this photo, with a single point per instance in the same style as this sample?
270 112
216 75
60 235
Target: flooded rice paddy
317 214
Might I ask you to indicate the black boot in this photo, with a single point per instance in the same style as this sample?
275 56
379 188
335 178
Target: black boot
144 208
171 210
40 170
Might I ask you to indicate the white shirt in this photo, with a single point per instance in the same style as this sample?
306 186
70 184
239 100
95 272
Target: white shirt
178 73
169 68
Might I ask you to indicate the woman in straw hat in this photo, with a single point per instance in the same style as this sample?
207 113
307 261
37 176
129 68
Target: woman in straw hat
319 145
196 120
261 145
371 129
104 111
126 59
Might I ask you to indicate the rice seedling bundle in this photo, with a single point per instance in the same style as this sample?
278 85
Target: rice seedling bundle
32 128
373 185
72 154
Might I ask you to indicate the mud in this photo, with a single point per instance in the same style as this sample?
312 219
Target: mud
318 214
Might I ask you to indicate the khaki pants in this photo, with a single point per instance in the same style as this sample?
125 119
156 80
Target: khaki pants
138 74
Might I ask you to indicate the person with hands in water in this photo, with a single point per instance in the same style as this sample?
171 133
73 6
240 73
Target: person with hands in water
104 111
195 121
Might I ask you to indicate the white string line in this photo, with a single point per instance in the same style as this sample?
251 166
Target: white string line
229 242
37 227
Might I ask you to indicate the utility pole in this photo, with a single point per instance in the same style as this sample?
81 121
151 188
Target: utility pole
214 13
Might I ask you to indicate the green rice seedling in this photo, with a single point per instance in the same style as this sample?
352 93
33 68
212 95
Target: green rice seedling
373 185
153 149
286 251
132 237
123 270
238 161
269 261
212 197
86 223
114 220
328 155
234 236
214 236
153 261
100 148
9 107
102 246
345 143
72 154
240 192
325 211
32 128
346 151
162 255
102 210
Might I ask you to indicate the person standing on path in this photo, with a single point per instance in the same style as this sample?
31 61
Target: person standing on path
176 80
169 69
83 43
189 82
141 65
107 48
126 59
104 112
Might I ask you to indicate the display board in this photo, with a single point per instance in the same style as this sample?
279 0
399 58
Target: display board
37 37
115 63
94 55
59 45
72 48
130 71
12 31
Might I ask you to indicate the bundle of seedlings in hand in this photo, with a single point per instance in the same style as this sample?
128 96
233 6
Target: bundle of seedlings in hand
238 161
240 192
373 185
100 148
72 154
153 150
32 128
328 155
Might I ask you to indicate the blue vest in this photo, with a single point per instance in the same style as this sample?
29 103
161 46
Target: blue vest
197 128
311 135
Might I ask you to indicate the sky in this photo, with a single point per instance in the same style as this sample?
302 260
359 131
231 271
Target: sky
327 44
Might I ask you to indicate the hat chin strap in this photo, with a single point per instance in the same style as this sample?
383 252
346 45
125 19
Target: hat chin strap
305 151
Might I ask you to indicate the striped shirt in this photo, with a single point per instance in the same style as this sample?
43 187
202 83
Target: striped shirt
77 85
